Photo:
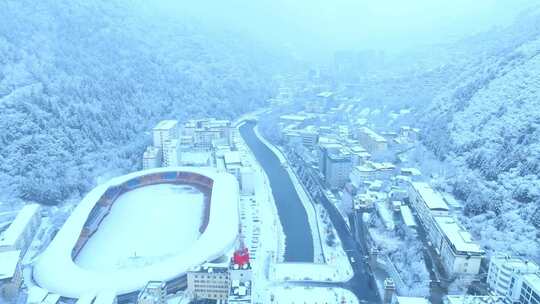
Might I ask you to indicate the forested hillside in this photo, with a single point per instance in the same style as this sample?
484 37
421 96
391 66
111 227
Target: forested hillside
486 123
82 81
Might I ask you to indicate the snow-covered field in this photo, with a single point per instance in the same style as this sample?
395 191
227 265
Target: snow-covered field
144 226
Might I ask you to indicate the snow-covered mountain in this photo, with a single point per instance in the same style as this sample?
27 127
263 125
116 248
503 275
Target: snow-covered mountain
82 81
486 122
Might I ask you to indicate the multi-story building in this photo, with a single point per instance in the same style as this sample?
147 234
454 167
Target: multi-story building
469 299
206 131
503 273
372 141
459 254
106 297
20 233
247 183
530 289
335 164
153 293
371 171
163 131
171 153
309 137
426 202
10 270
209 282
233 164
151 158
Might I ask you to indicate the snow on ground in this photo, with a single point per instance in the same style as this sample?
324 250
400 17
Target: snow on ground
291 294
144 226
283 272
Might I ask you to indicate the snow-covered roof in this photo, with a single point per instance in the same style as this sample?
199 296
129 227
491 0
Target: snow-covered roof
374 136
51 298
412 300
105 297
165 125
459 238
56 271
232 157
407 216
86 299
8 263
533 280
433 200
36 295
17 227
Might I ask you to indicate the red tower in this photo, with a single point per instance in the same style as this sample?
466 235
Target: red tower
241 256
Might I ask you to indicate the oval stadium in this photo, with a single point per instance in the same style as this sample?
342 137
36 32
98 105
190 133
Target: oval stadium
148 225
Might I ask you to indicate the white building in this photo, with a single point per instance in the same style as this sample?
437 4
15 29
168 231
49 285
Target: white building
309 137
247 183
51 298
151 158
459 254
530 289
469 299
503 273
106 297
20 233
171 153
233 164
163 131
410 300
372 141
153 293
371 171
208 282
86 299
426 202
11 277
337 169
206 131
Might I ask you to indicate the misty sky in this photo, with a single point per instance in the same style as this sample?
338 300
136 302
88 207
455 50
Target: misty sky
369 24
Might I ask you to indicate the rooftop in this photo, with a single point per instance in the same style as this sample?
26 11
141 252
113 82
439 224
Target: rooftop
459 238
467 299
515 264
8 263
210 269
533 280
293 117
433 200
232 157
372 134
105 297
412 300
407 216
165 125
411 171
9 237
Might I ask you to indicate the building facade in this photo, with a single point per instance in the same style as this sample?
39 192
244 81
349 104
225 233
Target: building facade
153 293
209 282
371 141
151 158
20 233
505 274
